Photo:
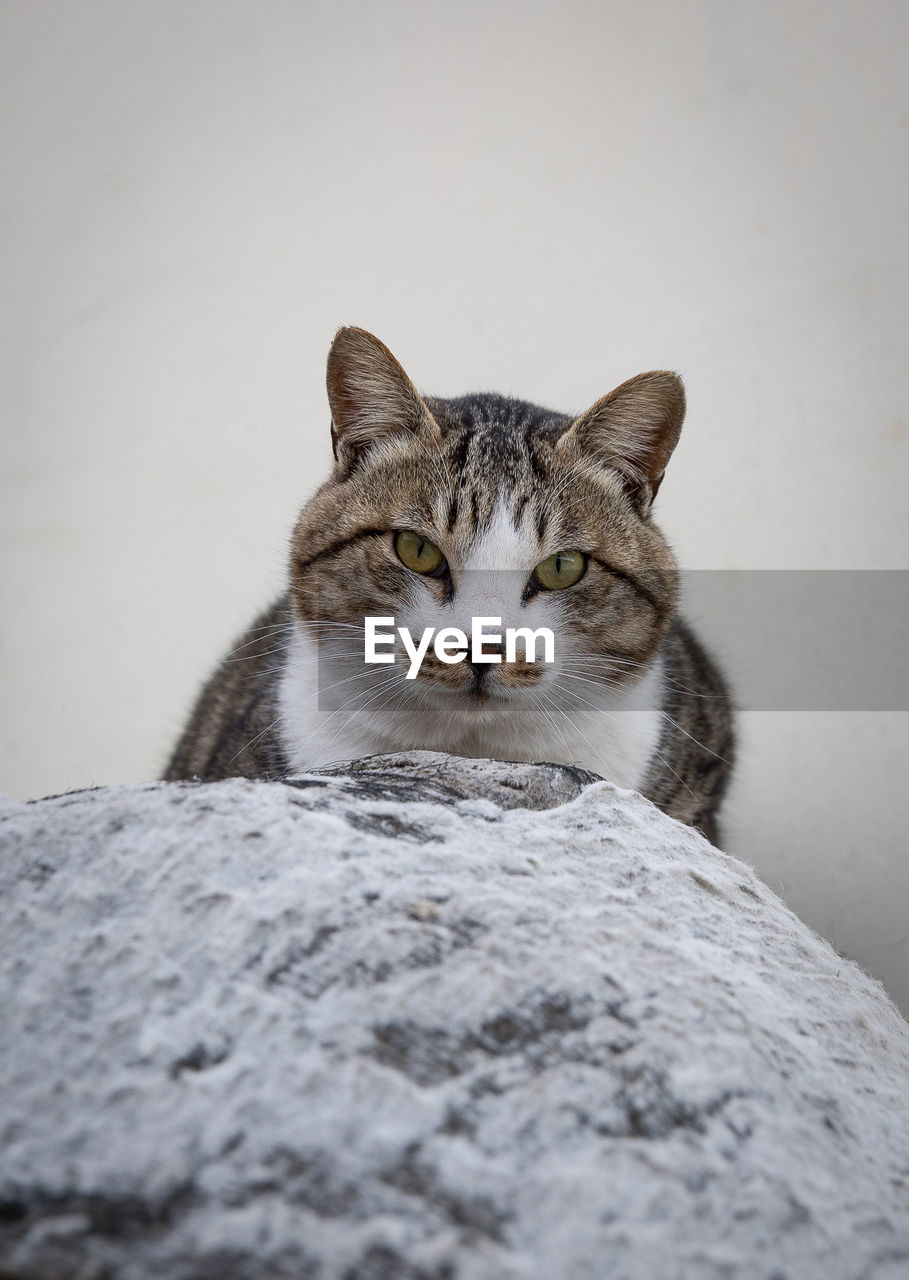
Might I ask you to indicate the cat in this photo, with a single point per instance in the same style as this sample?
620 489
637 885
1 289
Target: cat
442 510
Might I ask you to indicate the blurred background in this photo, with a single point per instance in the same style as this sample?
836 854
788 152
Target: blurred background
541 199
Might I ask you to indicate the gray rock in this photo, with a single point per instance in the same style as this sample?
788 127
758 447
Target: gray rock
429 1019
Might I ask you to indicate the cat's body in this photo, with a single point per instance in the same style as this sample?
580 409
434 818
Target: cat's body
502 502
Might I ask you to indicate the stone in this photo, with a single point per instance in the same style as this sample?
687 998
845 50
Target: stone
427 1018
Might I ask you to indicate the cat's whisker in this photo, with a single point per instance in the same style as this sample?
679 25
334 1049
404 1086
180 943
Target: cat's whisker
286 627
602 682
574 724
261 672
355 704
254 657
674 722
613 661
540 695
330 623
252 742
697 742
693 693
656 753
588 661
323 623
606 678
342 644
358 675
380 683
387 688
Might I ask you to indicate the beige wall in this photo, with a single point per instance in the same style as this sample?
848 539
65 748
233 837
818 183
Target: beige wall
537 198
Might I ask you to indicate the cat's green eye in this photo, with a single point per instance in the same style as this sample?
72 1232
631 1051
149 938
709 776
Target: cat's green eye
561 570
418 553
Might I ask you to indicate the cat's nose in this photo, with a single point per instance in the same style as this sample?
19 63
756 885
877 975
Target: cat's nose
487 649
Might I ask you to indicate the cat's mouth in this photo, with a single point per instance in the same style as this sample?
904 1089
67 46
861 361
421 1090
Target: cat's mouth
481 688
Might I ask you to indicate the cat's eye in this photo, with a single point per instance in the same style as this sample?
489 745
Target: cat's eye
418 553
560 570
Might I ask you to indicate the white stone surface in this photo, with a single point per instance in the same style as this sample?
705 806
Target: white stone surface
396 1023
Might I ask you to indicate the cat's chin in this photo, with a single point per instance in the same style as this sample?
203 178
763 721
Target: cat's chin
472 695
473 704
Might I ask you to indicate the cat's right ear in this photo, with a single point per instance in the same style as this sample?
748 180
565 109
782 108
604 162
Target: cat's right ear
371 397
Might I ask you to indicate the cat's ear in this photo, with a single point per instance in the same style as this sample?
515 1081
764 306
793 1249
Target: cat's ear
632 430
371 397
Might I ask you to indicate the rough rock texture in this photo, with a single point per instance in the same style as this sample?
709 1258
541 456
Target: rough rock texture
431 1019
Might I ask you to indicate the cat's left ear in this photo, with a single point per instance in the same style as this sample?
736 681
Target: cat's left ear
633 430
371 397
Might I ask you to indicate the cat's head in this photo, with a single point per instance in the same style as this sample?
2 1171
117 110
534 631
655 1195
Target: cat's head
440 511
